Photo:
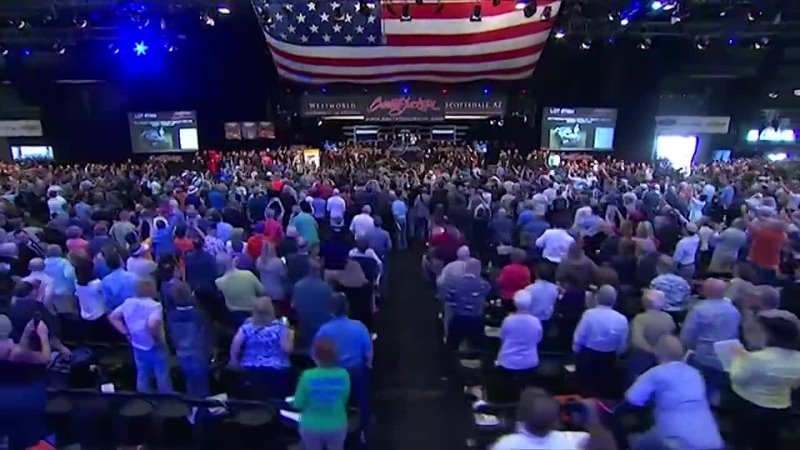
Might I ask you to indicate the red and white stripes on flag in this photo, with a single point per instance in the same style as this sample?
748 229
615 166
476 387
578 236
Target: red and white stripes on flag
439 44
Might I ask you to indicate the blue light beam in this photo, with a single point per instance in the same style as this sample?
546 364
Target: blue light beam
140 48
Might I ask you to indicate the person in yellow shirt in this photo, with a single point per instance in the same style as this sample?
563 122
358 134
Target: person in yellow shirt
763 382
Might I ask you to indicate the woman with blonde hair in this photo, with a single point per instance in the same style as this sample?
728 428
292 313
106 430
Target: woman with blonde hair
261 348
645 238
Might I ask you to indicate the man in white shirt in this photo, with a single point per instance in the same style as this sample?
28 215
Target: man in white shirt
139 265
45 281
336 205
554 243
363 223
600 336
686 252
55 203
140 318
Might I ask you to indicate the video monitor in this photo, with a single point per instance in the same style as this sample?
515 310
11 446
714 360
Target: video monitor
23 152
578 129
163 132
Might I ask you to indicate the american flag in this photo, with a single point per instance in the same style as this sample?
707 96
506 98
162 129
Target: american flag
350 41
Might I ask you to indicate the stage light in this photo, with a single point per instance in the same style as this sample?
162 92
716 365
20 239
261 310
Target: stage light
773 95
80 23
656 5
444 91
476 14
405 90
559 34
547 12
751 16
701 43
645 44
731 41
761 43
169 47
612 17
224 10
405 14
625 22
324 90
25 52
670 5
113 48
3 50
20 24
140 48
797 92
59 49
674 20
486 91
586 44
207 20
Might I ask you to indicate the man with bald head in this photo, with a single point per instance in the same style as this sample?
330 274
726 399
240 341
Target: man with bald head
711 320
600 336
683 418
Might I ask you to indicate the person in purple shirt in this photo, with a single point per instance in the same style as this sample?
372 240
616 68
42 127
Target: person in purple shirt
518 358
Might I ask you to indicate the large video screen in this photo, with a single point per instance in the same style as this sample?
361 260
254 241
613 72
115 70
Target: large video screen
775 127
163 132
578 129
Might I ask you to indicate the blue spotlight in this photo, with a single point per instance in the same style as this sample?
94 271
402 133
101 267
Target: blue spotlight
324 90
486 91
25 52
625 22
224 10
404 90
656 5
140 48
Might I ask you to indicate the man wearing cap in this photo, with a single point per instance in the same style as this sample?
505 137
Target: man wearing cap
686 252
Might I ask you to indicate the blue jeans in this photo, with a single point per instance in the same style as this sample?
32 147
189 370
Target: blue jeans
401 232
360 392
195 372
153 363
323 440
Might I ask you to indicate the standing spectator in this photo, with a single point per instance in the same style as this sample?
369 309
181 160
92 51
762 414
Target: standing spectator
306 225
261 347
336 206
240 288
62 273
676 289
576 262
727 245
646 329
190 336
312 301
514 276
600 336
119 284
140 264
763 382
352 282
520 335
686 252
767 237
466 297
140 319
272 272
89 291
122 228
354 344
363 223
400 215
711 320
555 243
201 268
321 397
38 275
544 293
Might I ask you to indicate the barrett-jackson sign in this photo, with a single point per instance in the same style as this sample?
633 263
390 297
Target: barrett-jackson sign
388 108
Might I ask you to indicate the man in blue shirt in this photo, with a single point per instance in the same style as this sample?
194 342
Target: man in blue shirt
354 345
400 214
119 285
711 320
312 300
682 414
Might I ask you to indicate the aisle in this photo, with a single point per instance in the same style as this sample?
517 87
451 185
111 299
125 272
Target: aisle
414 407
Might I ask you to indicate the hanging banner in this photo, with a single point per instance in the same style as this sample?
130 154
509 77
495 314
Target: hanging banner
21 128
692 125
395 108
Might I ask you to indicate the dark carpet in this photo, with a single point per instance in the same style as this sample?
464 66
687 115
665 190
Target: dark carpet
414 405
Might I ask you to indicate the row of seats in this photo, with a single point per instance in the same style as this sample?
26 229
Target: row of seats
98 420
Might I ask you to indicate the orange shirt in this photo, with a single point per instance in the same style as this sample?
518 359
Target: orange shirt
765 248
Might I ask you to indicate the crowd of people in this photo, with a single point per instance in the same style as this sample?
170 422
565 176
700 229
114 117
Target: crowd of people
634 265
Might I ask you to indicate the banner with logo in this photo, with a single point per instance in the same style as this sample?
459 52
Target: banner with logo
692 125
21 128
408 108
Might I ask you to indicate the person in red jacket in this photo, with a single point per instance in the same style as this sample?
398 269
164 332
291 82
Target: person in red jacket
513 277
